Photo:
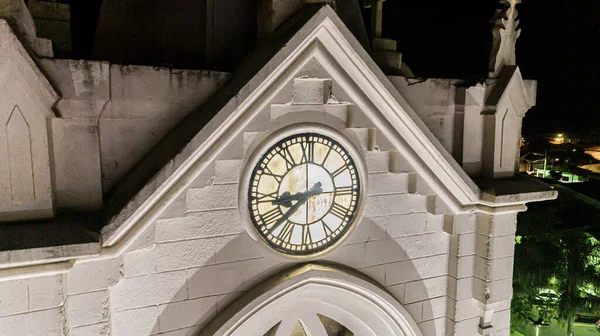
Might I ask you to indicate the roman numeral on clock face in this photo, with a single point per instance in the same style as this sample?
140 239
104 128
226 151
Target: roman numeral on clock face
287 156
343 191
338 211
268 172
286 232
308 152
306 236
271 216
265 198
339 170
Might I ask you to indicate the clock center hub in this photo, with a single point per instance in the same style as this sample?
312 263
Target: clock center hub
301 179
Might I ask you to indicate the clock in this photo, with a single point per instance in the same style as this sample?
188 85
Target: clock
304 193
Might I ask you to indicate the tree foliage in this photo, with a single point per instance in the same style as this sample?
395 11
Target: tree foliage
555 251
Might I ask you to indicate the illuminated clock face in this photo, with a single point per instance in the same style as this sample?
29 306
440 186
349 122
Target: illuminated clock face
304 193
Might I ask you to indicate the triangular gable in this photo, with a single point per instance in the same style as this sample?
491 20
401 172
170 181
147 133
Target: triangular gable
510 85
318 34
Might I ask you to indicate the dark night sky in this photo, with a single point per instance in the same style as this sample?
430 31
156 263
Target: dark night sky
559 46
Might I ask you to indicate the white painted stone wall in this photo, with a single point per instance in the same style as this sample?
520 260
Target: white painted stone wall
76 127
197 257
125 109
478 124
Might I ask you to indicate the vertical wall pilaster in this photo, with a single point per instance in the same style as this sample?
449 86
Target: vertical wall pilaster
493 266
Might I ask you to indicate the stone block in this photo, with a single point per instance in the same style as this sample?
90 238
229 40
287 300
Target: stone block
199 225
464 288
148 290
384 251
377 162
466 244
467 327
384 44
215 279
501 319
177 208
366 137
339 111
45 292
13 297
38 323
368 229
195 330
500 290
464 223
87 308
214 197
416 269
225 300
376 273
98 329
466 266
426 289
93 275
387 59
467 309
186 313
406 224
352 255
437 223
420 186
227 171
135 322
415 310
423 245
170 257
501 268
503 246
311 91
497 225
397 291
236 247
432 327
77 163
452 283
388 183
385 205
250 139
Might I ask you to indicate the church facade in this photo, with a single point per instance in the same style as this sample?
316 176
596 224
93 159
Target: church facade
308 193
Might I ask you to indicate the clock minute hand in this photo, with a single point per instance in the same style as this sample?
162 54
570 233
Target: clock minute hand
290 211
302 198
286 198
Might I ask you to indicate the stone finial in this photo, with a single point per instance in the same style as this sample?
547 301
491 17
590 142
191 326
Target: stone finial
505 33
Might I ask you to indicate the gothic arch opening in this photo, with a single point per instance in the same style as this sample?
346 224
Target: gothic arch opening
316 300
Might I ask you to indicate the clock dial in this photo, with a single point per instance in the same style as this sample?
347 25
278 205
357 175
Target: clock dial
304 193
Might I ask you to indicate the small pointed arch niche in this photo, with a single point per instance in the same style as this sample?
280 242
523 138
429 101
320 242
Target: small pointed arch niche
315 300
20 157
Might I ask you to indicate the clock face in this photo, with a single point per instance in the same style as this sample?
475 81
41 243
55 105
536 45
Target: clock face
304 193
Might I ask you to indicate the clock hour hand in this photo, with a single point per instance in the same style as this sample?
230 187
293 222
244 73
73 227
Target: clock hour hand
286 198
290 211
301 199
